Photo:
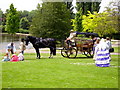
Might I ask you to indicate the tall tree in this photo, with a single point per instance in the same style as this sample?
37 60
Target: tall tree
77 22
51 20
70 7
88 6
24 23
12 20
1 13
1 19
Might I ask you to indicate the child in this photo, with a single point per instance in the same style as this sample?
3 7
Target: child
14 58
96 43
22 46
20 57
6 57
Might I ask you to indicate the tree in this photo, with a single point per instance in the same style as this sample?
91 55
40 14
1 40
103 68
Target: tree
70 7
51 20
1 13
88 6
12 21
101 23
1 19
83 8
24 23
87 22
77 22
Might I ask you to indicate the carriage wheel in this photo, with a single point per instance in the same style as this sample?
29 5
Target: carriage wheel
71 53
64 52
88 53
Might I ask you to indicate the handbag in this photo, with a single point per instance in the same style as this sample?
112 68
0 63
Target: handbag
111 50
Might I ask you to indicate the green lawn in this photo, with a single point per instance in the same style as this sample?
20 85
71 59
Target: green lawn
59 72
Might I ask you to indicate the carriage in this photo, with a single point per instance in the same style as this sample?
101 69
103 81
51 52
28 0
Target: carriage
83 43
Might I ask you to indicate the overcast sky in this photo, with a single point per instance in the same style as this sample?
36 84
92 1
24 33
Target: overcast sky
19 4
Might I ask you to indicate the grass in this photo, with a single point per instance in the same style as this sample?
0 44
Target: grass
116 49
58 72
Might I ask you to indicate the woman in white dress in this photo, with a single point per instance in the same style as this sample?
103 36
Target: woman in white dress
102 55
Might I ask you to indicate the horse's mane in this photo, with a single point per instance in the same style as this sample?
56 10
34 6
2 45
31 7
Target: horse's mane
31 37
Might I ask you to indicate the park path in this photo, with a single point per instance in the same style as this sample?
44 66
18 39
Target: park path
45 50
116 43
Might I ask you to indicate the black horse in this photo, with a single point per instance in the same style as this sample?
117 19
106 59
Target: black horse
42 43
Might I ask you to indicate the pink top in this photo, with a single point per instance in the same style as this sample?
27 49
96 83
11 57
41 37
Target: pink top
14 58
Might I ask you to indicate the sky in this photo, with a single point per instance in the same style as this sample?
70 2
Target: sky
19 4
23 4
32 4
106 3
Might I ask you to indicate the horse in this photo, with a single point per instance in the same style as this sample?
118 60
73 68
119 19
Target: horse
42 43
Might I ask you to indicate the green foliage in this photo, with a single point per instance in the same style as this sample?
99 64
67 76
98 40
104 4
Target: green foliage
24 23
23 31
83 8
88 23
1 13
2 27
77 23
88 6
101 23
51 20
12 23
69 7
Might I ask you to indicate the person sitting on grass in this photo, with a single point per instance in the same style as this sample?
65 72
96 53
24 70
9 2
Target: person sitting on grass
14 58
6 57
20 57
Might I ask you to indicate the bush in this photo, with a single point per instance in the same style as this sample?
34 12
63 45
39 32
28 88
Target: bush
23 31
116 36
3 28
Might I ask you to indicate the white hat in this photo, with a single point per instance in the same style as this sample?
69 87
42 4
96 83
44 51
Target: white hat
71 30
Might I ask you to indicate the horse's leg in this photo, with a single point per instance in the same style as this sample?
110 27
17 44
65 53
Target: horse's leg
38 53
51 52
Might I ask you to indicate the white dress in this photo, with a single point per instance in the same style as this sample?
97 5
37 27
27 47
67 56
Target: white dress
102 55
20 57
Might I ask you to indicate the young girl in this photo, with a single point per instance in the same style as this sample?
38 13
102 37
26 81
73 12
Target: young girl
22 46
6 57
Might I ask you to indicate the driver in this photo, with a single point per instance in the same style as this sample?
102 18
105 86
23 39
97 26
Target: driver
70 39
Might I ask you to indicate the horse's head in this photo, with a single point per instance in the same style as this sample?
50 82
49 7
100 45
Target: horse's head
27 40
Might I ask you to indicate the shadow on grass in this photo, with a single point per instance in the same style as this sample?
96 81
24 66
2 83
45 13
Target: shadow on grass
81 58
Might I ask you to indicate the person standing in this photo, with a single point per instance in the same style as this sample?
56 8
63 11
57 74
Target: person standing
11 48
96 43
22 46
101 55
108 41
